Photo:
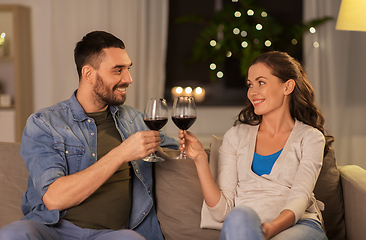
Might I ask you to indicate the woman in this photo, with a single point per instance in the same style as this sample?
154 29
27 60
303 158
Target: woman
270 160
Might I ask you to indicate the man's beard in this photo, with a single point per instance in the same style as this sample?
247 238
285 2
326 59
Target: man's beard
105 95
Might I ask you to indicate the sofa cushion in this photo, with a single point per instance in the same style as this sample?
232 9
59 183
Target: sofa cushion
179 199
13 182
328 189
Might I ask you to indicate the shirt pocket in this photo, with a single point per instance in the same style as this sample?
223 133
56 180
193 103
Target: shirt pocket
72 154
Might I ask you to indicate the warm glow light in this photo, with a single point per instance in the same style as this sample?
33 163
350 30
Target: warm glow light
234 0
179 90
264 14
213 43
316 44
176 92
198 90
294 41
312 30
259 26
188 90
352 15
244 33
220 74
199 94
212 66
237 14
3 35
229 54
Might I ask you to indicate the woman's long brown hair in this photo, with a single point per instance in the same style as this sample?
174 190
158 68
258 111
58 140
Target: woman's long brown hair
302 101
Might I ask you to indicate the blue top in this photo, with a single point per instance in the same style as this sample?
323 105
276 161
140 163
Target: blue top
263 164
62 140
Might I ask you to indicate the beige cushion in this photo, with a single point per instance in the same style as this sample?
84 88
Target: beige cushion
179 200
328 189
354 189
13 183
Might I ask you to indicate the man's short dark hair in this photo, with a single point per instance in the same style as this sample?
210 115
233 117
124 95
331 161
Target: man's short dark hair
90 49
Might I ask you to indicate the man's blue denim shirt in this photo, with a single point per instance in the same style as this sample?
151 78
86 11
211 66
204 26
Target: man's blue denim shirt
62 140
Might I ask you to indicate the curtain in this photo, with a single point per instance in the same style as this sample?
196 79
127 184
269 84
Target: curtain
57 25
141 24
335 68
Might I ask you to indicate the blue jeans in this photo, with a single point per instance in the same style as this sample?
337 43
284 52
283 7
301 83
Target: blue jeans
63 230
244 223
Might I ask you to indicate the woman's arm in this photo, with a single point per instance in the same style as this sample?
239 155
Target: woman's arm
285 220
195 150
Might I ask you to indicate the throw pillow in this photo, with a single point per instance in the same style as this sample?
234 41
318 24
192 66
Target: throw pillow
328 190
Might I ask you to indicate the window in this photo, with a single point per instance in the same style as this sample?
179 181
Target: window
228 85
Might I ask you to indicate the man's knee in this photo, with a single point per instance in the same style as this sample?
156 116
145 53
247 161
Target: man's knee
14 230
25 229
121 234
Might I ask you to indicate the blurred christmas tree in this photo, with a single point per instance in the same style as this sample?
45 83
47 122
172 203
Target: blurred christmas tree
238 33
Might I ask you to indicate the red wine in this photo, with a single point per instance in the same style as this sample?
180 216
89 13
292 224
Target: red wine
156 124
184 122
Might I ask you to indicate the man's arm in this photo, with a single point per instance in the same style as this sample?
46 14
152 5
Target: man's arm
71 190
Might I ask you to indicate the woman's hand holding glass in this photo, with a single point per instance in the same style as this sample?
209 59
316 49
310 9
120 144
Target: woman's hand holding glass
192 147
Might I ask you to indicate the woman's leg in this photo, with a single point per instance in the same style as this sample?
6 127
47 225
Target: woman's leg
304 229
242 223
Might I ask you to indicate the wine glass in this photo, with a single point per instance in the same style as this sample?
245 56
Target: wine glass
184 115
155 117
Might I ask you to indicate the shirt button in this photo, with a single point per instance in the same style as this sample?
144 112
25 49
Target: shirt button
137 170
92 134
67 152
93 154
89 120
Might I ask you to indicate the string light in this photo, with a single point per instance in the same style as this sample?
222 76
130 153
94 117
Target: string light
259 26
264 14
212 66
316 44
244 44
237 14
220 74
250 12
229 54
213 43
236 31
267 43
312 30
244 33
294 41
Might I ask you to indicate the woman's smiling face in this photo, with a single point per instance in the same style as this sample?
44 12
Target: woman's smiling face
266 92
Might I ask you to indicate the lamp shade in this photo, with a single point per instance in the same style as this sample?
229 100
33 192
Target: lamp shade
352 15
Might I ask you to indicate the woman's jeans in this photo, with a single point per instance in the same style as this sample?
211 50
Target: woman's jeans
244 223
63 230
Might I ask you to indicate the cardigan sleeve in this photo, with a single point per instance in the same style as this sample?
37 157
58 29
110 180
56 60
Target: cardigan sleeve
227 179
310 163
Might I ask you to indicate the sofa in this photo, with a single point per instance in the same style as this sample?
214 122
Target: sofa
179 197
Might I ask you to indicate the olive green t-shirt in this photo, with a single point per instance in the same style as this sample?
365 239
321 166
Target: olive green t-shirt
109 206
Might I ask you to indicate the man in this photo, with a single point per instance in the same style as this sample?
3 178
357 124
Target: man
86 179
